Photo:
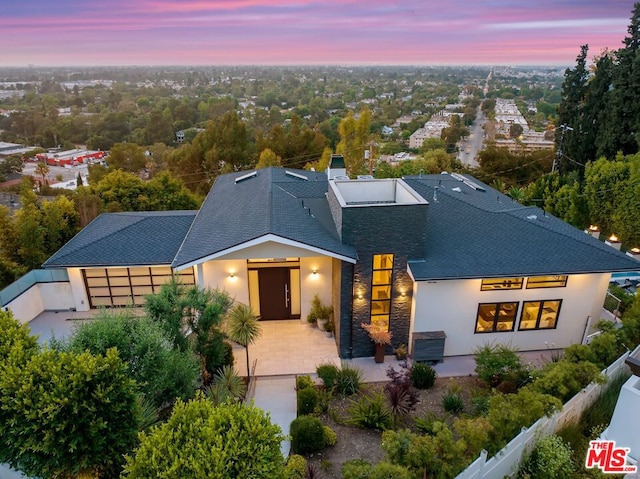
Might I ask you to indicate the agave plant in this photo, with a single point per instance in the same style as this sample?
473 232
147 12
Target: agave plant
226 385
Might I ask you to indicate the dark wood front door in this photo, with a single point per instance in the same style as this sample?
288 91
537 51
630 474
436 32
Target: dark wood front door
275 293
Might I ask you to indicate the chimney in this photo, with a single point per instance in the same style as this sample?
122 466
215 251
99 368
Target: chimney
336 167
613 241
593 230
634 253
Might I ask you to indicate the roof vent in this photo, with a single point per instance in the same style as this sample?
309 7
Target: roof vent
532 217
456 189
295 175
341 177
246 177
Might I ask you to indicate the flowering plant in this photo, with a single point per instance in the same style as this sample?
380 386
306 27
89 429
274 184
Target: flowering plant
377 334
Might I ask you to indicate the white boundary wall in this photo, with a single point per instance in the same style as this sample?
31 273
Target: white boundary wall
507 461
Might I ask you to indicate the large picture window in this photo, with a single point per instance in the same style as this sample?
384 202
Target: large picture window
496 317
501 283
108 287
540 314
381 281
559 281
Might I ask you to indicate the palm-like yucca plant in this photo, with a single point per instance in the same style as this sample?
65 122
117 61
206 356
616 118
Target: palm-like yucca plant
243 327
226 384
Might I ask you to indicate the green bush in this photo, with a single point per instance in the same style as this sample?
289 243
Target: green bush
605 348
348 380
551 459
307 435
498 363
452 402
385 470
479 405
423 376
328 373
307 401
370 412
304 382
330 436
324 398
565 379
356 469
296 467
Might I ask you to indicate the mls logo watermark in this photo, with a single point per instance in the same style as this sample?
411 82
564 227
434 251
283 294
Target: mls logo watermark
608 458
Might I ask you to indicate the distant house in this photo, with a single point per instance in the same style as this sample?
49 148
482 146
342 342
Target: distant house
443 261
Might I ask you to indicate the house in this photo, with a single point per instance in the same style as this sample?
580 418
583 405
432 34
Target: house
444 261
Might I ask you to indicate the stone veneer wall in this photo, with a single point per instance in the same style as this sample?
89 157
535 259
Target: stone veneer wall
396 229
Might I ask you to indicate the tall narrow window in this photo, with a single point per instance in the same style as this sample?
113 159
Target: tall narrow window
381 280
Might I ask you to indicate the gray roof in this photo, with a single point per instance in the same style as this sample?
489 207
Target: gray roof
267 201
126 239
482 234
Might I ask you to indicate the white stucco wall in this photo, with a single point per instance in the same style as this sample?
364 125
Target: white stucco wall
217 275
314 283
452 307
78 291
41 297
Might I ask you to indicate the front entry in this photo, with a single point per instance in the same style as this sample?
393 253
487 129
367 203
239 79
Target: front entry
275 293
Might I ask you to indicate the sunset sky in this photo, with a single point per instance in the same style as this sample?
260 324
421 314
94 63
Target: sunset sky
215 32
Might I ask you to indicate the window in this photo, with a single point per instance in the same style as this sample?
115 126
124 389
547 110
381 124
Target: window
540 314
128 286
381 281
501 283
496 317
547 282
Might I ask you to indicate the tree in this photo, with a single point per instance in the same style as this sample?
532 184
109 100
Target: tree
570 113
67 415
204 440
162 372
178 309
127 156
243 328
43 170
17 345
268 158
354 140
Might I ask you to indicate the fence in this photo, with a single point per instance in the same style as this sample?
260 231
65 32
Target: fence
30 279
612 304
506 462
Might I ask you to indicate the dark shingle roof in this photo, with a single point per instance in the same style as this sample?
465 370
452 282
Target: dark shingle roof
475 234
126 239
269 202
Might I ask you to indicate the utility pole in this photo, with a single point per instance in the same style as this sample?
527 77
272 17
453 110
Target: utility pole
556 161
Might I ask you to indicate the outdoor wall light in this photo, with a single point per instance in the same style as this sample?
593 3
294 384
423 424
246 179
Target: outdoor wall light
232 274
314 272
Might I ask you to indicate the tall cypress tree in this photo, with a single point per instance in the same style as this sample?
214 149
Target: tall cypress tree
624 121
570 113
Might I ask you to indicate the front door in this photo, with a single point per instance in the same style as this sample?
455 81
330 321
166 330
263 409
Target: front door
275 293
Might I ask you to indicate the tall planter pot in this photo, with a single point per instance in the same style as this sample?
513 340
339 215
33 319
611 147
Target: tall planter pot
379 353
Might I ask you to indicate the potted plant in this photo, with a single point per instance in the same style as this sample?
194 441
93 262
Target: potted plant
401 352
319 314
381 338
330 326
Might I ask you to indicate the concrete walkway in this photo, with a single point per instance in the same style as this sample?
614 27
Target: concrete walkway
277 396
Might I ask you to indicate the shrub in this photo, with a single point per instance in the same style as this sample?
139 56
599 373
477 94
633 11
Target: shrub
348 380
385 470
479 405
452 402
356 469
423 376
605 349
304 382
307 435
324 398
401 394
565 379
551 459
327 373
296 467
330 437
203 440
370 412
226 385
307 401
498 363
